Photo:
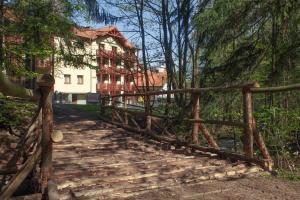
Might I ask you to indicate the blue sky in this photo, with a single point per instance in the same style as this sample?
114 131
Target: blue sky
129 31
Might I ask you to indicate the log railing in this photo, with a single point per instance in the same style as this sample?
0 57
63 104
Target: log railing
127 118
37 144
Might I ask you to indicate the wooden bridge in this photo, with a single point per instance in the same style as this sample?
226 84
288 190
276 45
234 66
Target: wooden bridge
98 160
121 158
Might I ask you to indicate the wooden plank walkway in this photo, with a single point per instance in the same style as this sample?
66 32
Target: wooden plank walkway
97 160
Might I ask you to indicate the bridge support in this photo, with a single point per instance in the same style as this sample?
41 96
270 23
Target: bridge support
196 117
46 83
125 113
248 120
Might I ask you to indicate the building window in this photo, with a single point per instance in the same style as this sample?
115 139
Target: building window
119 62
80 59
101 46
105 61
114 49
67 78
105 78
118 79
80 79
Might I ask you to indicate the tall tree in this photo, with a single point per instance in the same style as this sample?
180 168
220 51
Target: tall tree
29 28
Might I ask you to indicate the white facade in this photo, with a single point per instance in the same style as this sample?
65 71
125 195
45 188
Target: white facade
75 91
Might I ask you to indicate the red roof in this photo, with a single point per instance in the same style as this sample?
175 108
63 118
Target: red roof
112 31
156 78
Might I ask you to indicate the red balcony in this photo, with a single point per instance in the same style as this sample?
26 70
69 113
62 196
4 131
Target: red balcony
103 87
106 53
129 87
109 87
113 54
113 70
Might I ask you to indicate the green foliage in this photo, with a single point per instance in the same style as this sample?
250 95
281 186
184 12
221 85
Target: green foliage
288 175
250 40
32 29
15 113
257 41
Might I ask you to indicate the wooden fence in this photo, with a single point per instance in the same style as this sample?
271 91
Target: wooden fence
36 144
127 119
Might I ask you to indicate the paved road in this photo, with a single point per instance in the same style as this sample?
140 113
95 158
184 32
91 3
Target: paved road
97 160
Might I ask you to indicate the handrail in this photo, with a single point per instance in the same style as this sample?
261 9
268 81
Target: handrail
188 90
39 144
253 87
251 134
276 88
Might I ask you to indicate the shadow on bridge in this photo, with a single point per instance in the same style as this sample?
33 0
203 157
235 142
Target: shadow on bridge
100 160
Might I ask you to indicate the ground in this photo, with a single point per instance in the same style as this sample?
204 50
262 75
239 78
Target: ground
97 160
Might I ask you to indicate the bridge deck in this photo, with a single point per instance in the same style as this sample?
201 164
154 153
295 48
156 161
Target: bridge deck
97 160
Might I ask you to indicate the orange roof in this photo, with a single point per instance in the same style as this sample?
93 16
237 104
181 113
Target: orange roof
156 78
112 31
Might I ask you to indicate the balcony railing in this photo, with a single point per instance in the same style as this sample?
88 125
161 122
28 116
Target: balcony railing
129 87
107 87
104 69
113 54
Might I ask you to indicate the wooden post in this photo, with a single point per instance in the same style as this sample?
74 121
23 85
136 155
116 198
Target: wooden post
148 112
261 145
46 83
53 193
196 109
209 138
247 117
125 113
103 104
113 104
148 122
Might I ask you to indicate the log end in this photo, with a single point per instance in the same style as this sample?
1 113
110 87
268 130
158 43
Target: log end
57 136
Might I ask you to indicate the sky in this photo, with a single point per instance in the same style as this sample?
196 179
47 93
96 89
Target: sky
129 31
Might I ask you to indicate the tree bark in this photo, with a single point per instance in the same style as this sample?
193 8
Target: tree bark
248 116
46 85
196 109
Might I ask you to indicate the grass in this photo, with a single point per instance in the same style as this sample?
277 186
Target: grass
92 108
289 175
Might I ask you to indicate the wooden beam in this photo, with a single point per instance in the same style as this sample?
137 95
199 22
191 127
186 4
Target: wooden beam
46 83
276 89
218 122
9 88
261 144
196 110
188 90
247 116
148 122
125 113
16 181
210 140
263 163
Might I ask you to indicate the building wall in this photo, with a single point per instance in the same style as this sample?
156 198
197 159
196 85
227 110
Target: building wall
89 80
77 90
89 75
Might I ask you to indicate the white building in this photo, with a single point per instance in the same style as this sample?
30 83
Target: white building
74 85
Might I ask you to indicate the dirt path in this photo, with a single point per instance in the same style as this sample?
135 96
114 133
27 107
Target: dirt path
99 161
